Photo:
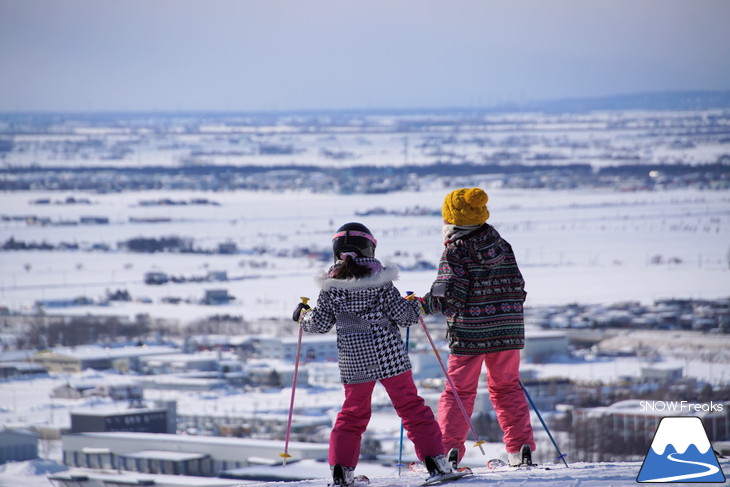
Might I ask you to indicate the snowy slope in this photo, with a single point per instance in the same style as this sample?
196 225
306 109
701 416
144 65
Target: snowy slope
578 475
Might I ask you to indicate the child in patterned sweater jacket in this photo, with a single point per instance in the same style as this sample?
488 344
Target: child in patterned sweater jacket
481 291
359 299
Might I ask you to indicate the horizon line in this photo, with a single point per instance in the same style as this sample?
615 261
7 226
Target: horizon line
514 106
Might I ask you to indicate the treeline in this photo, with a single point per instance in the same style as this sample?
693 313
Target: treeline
151 245
359 179
42 332
137 244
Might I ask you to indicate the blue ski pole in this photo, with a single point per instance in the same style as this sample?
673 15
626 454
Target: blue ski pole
561 456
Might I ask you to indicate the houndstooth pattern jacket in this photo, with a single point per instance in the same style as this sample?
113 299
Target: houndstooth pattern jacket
366 313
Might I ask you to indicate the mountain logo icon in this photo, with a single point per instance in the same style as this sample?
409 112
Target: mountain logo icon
680 452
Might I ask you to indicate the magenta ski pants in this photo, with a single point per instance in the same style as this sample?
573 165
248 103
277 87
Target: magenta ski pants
353 419
505 392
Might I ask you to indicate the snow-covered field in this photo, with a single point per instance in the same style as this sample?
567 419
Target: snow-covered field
573 246
605 138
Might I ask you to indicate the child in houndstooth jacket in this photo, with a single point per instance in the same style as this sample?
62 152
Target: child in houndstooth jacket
358 298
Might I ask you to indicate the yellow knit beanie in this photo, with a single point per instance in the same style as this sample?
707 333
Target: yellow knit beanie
466 206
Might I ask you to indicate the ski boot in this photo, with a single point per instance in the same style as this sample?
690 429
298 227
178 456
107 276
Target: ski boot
342 476
437 466
453 458
522 458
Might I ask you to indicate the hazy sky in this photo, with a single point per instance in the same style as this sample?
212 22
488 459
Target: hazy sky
308 54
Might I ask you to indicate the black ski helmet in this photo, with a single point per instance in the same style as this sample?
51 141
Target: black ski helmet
354 237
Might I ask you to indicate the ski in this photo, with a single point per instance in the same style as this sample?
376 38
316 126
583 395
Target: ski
495 463
361 480
457 473
419 467
499 464
446 478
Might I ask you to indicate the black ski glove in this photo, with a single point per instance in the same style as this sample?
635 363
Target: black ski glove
298 311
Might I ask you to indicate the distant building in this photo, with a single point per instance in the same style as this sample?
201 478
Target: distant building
219 276
76 359
217 297
662 373
21 370
632 423
190 362
315 348
183 383
131 391
128 391
156 278
273 373
71 391
84 477
544 345
205 456
94 220
220 423
140 420
63 303
17 445
548 393
227 248
722 447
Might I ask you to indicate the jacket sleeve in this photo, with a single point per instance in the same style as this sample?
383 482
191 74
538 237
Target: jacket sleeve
450 290
321 318
398 309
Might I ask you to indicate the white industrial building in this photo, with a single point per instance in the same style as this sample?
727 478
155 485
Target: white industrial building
206 456
319 348
17 445
541 345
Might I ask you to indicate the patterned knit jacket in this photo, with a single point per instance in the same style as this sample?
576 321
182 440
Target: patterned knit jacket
366 313
480 289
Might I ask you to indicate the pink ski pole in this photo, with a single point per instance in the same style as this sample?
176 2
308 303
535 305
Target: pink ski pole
286 455
453 388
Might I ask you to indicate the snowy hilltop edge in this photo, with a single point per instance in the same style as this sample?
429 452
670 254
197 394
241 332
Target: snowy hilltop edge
617 474
584 474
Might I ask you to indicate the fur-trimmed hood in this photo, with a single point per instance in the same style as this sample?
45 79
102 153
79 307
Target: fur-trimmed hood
388 274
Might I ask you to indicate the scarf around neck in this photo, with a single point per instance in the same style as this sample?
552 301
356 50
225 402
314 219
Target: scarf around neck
452 233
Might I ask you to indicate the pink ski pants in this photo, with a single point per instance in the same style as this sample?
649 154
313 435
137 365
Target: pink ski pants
353 419
508 399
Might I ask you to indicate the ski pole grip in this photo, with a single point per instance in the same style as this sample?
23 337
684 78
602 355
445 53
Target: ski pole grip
305 300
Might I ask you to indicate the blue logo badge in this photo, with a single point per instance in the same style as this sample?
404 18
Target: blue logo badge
680 452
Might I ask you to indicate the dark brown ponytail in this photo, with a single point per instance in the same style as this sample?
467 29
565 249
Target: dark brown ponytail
348 269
